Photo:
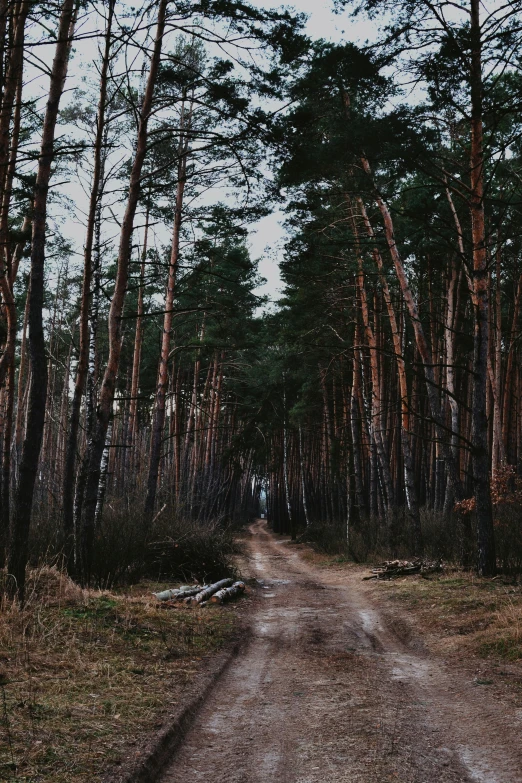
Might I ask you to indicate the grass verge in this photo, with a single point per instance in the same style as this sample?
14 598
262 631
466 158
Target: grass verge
456 611
463 613
87 675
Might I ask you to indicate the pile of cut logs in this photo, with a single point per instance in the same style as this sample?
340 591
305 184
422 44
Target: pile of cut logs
217 593
393 568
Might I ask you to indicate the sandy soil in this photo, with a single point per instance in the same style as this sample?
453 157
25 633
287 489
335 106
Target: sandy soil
327 692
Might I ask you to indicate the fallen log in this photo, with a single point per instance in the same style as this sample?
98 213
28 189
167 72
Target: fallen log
228 592
391 569
206 593
178 593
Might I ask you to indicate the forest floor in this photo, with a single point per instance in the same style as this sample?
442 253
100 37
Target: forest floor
346 680
86 677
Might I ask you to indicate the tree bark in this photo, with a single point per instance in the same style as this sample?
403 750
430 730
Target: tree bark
510 364
136 358
422 346
38 391
105 405
302 476
498 454
163 374
83 355
407 456
8 153
479 424
285 468
376 401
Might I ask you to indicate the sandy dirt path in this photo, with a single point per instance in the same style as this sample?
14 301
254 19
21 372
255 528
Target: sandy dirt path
327 692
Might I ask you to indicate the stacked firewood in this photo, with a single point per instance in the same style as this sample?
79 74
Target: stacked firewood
216 593
391 569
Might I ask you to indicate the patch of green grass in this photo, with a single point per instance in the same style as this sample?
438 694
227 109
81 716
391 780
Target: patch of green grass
93 607
507 647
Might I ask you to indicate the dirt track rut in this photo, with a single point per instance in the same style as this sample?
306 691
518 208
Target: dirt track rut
327 692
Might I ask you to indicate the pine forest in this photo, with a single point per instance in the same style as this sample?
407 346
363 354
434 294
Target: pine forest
260 338
144 378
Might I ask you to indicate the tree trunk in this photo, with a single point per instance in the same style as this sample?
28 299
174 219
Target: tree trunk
8 153
355 418
409 468
498 455
38 390
105 405
422 346
302 476
161 391
6 462
510 364
479 424
136 358
104 471
376 402
83 355
285 468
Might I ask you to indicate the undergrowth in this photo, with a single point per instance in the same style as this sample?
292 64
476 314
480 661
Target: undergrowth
126 550
84 673
374 540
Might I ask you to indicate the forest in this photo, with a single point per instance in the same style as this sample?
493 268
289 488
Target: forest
148 388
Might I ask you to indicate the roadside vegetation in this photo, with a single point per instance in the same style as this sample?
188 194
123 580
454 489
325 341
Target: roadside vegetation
169 548
86 675
462 613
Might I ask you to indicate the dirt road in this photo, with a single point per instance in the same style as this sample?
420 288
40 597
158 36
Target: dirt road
327 692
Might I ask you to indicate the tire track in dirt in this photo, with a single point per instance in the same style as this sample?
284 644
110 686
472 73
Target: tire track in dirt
325 691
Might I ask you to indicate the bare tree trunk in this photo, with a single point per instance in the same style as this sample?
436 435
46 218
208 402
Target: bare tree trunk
285 468
449 333
91 396
510 364
302 476
422 346
159 412
20 407
479 428
136 359
11 108
409 468
498 454
83 356
38 390
104 470
103 414
8 153
376 401
6 461
356 430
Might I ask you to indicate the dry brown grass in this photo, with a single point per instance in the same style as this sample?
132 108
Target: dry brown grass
460 612
84 674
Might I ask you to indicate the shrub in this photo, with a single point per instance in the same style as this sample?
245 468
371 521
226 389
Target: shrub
326 538
372 539
508 537
125 550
